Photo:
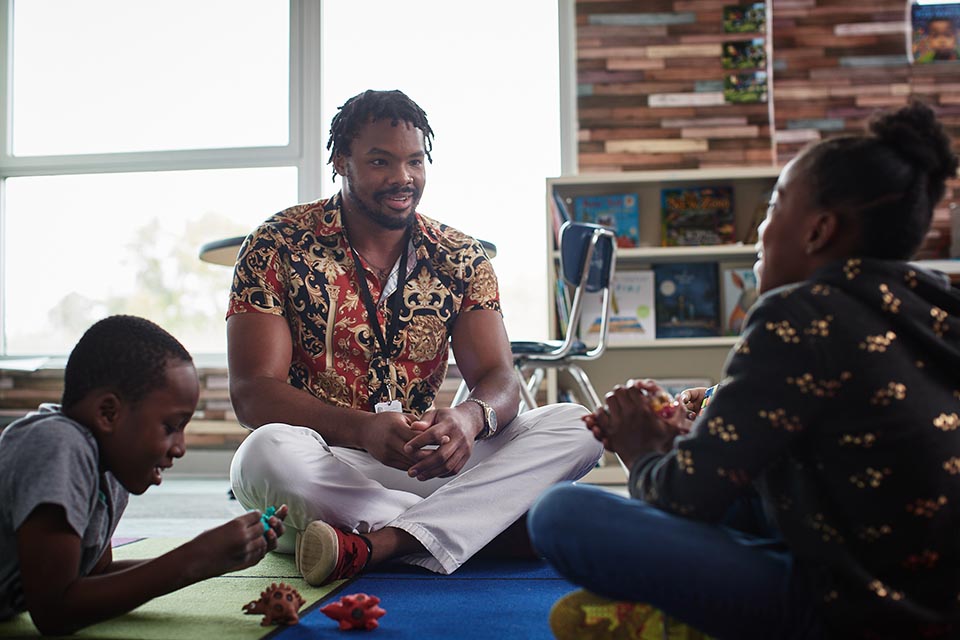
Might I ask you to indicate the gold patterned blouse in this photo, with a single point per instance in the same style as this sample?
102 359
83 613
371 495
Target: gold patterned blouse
840 406
298 264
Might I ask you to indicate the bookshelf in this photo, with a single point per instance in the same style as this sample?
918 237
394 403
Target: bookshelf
673 357
658 357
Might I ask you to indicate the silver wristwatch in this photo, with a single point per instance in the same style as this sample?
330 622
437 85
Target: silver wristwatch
489 419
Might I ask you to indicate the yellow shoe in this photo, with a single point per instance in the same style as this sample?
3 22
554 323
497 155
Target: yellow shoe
582 615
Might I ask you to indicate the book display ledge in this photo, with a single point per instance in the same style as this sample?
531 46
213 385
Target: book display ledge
677 308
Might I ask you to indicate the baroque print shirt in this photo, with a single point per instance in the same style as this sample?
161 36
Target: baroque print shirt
840 406
298 265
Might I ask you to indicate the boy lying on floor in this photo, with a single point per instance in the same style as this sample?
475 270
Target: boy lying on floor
130 388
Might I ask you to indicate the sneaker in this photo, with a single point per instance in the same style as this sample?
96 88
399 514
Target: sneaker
325 554
582 615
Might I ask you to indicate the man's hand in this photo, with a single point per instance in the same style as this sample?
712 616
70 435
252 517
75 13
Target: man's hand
385 435
628 425
452 431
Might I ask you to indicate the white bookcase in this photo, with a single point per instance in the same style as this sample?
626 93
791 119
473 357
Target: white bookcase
669 357
663 357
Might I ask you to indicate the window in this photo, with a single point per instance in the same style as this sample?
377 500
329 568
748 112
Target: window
149 128
488 79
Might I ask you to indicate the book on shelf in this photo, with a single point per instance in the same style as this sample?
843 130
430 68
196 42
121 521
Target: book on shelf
560 213
746 18
687 299
739 294
745 87
694 216
744 54
935 32
619 212
632 313
562 296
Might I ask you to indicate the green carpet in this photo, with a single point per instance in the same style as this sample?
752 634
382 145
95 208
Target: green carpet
206 610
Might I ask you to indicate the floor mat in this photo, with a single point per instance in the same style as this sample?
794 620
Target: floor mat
203 611
483 599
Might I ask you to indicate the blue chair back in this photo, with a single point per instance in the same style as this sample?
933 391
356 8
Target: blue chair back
576 239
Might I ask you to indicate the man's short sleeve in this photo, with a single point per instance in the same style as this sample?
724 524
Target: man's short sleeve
482 289
259 282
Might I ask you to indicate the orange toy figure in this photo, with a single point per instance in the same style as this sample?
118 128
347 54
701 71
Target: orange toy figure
356 611
663 404
278 604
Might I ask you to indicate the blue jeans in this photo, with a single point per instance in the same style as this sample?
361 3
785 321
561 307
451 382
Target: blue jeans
718 579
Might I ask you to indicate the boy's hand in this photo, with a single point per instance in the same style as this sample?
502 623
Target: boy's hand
237 544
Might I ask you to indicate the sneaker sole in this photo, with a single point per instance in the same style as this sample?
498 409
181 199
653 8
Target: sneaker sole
316 553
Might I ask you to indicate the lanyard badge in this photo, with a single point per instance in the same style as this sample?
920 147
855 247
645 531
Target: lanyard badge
385 342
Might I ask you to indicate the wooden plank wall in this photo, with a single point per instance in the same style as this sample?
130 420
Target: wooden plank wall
649 73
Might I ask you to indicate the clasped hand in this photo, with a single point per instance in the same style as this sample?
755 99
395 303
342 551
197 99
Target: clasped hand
629 424
437 445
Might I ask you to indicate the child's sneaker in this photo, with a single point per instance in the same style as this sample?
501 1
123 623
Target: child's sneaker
325 554
582 615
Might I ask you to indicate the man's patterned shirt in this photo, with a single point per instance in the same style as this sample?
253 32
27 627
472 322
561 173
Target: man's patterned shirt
298 265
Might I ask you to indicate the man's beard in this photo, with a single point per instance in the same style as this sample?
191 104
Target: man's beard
386 220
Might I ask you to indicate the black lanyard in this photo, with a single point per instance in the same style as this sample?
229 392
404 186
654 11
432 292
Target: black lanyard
393 324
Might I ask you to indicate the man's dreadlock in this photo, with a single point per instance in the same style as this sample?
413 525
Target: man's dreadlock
371 106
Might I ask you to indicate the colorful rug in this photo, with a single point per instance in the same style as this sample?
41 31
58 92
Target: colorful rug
483 599
204 611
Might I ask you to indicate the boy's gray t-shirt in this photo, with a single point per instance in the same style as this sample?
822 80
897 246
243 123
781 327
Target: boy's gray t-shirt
48 458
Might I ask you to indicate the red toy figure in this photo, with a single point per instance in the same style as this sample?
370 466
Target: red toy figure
356 611
279 604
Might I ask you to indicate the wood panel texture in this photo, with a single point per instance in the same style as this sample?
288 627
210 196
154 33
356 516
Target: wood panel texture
650 83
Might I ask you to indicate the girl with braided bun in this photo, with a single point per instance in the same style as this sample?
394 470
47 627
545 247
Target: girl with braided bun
838 419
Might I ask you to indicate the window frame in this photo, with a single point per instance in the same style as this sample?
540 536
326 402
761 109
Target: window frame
305 149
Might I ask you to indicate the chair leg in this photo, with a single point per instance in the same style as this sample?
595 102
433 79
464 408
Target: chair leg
462 392
527 398
587 393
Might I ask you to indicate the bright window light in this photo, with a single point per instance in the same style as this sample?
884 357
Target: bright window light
490 88
103 76
81 247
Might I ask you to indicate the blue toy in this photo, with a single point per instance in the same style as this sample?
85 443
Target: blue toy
265 517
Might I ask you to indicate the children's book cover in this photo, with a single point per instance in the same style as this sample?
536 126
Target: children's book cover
739 294
632 313
693 216
687 299
621 213
744 54
933 30
749 18
746 87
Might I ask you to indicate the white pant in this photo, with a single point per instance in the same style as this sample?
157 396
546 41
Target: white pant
453 518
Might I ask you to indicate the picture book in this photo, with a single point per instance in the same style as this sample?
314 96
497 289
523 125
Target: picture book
748 18
560 213
621 213
687 299
692 216
745 87
934 29
632 312
744 54
739 294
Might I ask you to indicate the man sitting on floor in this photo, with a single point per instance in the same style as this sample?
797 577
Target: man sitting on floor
340 316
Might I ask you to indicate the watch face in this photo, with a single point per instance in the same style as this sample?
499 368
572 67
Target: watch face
492 418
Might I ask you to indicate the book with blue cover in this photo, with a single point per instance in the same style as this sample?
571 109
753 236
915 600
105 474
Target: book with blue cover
620 212
687 299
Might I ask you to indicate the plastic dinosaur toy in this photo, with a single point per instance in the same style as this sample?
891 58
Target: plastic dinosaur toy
356 611
279 604
265 518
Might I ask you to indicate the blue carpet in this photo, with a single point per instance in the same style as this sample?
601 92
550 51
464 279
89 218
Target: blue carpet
483 599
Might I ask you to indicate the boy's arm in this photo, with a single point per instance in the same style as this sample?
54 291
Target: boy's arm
60 601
